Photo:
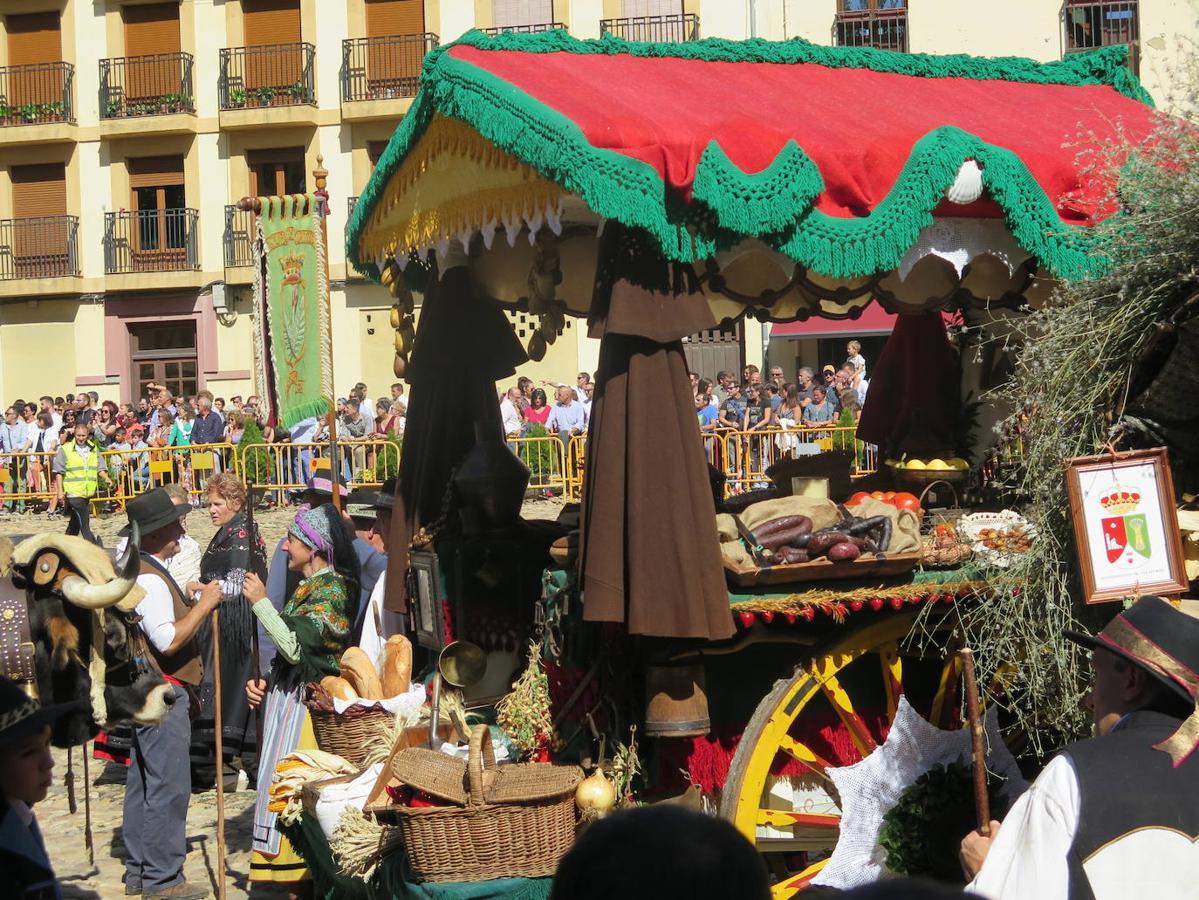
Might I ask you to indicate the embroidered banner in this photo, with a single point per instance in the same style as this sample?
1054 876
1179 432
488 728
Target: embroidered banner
291 335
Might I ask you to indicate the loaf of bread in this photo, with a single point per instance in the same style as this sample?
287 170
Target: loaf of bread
359 671
338 687
396 668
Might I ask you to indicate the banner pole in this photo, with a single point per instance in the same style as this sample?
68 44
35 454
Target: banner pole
320 178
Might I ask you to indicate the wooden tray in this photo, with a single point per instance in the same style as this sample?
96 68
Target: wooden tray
821 570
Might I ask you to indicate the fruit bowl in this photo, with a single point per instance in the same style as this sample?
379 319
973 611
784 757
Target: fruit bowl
918 479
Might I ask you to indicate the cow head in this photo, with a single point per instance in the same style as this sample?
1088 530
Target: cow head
82 620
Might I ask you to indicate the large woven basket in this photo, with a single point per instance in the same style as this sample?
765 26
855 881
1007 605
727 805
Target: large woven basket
516 822
349 734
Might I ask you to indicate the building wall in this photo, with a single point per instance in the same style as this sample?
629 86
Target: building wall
85 319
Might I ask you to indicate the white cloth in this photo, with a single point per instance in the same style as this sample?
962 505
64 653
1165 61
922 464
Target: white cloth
157 610
379 624
863 386
1028 857
336 798
513 423
184 566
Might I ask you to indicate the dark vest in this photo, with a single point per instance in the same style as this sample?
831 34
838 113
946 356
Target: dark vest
185 665
1125 785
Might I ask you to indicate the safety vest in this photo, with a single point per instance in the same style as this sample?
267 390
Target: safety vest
81 479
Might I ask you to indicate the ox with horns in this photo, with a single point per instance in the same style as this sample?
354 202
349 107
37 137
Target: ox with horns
68 631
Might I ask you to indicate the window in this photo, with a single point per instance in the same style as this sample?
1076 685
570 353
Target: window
151 33
159 202
34 42
165 353
517 13
641 8
40 231
274 173
872 23
1101 23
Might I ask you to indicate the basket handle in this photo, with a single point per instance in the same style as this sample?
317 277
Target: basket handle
957 501
482 757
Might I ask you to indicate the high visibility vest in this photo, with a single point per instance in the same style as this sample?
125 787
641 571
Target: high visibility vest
82 478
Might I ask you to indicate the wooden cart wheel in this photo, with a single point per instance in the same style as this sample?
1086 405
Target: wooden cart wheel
835 709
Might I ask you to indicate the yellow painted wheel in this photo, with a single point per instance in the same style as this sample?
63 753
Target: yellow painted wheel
833 711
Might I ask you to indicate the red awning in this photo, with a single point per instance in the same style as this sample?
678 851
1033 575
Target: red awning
873 320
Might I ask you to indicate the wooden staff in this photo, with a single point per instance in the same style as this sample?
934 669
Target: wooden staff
254 632
320 179
978 750
220 754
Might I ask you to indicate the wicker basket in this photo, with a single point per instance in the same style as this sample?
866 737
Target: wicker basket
517 821
348 734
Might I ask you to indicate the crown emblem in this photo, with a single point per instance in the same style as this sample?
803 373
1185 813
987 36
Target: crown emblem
291 266
1120 500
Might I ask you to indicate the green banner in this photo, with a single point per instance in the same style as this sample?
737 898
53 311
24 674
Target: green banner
297 306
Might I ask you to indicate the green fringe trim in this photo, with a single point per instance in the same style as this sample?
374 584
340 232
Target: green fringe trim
301 411
776 203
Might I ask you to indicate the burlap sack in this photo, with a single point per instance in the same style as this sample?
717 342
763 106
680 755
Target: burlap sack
905 531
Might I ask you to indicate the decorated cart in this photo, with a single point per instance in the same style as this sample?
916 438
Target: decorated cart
657 190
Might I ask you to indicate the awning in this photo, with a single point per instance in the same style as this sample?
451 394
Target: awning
873 320
836 157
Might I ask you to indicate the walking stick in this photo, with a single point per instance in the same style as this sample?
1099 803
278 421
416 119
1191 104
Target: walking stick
254 631
220 754
982 803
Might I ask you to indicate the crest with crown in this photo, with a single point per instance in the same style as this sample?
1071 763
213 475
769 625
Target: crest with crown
1120 500
292 264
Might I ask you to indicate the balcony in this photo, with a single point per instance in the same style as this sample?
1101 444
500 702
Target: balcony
151 240
383 68
1101 23
523 29
351 202
883 29
272 84
39 94
674 28
157 85
40 247
238 237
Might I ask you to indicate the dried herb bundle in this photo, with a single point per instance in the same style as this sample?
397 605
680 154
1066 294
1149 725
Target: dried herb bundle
524 714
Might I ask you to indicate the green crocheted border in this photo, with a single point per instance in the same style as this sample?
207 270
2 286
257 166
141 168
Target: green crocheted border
776 203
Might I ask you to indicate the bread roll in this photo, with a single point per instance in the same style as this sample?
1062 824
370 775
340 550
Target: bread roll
338 687
359 671
397 666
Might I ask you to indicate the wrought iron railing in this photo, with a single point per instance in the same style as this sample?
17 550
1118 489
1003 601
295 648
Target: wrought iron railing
524 29
37 94
151 240
38 247
675 28
238 237
1100 23
156 85
270 75
884 29
379 68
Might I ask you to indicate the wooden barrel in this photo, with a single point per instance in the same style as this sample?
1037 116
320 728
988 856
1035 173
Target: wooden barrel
676 701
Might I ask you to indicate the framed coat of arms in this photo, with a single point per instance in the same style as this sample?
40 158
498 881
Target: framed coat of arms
1129 545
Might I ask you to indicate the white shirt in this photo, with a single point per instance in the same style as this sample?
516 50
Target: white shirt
379 623
586 404
858 362
863 384
157 610
1028 858
513 423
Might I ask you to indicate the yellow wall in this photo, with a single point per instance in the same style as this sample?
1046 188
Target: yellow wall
33 358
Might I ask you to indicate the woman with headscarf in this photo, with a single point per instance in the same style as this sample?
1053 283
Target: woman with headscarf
311 633
235 550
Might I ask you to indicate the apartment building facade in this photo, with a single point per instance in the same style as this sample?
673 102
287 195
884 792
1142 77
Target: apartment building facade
128 131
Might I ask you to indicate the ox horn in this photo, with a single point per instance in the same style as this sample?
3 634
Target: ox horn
97 596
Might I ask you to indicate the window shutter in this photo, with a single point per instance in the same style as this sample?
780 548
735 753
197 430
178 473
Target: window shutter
155 171
271 22
515 13
153 28
374 149
33 38
384 17
39 190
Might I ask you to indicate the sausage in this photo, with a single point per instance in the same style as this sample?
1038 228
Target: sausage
783 523
844 552
792 555
884 537
822 540
861 526
786 537
865 543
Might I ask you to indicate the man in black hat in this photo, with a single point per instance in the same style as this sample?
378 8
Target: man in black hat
25 778
158 785
1116 816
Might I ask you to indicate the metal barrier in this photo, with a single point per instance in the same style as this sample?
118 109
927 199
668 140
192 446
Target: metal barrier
546 458
288 465
26 477
135 471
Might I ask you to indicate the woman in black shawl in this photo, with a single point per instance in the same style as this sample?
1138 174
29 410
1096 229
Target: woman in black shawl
231 554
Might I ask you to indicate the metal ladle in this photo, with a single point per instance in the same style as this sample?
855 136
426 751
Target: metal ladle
460 665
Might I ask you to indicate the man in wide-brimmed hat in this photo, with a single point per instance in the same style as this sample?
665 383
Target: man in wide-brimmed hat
1116 816
158 785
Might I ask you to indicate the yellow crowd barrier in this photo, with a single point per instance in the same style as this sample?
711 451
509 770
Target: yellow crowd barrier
26 477
287 466
546 458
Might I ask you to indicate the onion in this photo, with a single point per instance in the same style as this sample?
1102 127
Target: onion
595 794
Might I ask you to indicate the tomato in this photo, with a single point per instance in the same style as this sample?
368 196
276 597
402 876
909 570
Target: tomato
879 495
904 500
856 498
889 497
